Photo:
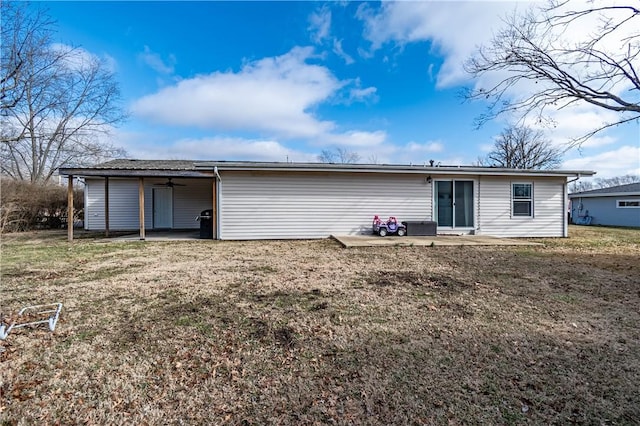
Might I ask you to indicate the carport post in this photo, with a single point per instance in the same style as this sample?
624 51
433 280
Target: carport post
141 206
70 208
106 206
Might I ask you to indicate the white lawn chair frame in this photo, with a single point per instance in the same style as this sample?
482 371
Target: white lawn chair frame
48 313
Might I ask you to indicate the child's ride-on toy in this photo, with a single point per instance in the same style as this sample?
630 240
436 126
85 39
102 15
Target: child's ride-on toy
391 226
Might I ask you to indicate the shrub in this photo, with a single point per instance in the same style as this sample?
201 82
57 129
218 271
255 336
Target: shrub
26 206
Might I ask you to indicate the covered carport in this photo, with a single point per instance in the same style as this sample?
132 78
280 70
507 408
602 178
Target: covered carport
140 171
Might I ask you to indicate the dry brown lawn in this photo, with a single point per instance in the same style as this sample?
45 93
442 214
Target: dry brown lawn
306 332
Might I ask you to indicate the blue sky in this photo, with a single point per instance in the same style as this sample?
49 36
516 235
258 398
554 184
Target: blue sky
282 81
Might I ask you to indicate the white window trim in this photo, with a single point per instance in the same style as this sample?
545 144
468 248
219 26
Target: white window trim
618 206
531 199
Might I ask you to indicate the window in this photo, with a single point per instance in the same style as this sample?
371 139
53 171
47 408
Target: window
628 204
522 199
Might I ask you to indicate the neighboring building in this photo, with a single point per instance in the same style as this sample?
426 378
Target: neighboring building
614 206
253 200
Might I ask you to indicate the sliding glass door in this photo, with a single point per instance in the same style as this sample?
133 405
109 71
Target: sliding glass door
454 203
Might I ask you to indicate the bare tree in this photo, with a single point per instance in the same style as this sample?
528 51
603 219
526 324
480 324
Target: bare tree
581 186
338 155
587 185
373 159
522 148
617 180
23 33
61 101
600 70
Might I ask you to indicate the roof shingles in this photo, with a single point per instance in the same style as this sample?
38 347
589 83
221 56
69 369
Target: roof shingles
630 188
127 164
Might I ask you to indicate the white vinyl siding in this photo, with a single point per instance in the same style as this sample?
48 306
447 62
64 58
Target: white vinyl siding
188 202
93 204
316 205
289 205
123 204
548 209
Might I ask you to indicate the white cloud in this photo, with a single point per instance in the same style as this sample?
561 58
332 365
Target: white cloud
430 72
409 153
338 50
598 141
320 24
77 58
428 147
356 93
272 95
565 125
155 61
219 148
110 63
455 29
619 162
354 138
417 153
486 147
369 145
359 94
320 33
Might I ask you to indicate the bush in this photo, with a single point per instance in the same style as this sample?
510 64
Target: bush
27 206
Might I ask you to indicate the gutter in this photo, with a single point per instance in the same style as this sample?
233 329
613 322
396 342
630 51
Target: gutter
604 194
464 171
573 180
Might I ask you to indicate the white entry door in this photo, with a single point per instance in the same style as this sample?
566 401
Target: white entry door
162 208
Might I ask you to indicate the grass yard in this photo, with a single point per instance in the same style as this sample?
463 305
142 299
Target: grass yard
306 332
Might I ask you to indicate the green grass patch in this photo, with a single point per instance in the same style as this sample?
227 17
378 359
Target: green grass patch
57 257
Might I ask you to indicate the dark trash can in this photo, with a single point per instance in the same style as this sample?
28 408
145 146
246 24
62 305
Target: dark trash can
206 224
424 228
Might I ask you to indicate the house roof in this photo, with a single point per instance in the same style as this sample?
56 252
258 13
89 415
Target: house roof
129 164
140 168
184 168
612 191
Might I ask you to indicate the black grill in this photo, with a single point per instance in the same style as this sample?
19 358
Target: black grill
206 223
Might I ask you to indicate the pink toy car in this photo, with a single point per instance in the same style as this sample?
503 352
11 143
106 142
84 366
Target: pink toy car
390 227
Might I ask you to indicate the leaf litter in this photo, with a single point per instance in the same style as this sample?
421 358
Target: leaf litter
292 332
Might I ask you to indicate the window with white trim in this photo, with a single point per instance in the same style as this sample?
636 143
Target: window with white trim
628 204
521 199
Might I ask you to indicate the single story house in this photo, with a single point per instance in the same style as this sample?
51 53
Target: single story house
271 200
614 206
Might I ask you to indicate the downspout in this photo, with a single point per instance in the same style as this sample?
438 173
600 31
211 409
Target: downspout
218 186
477 223
565 220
